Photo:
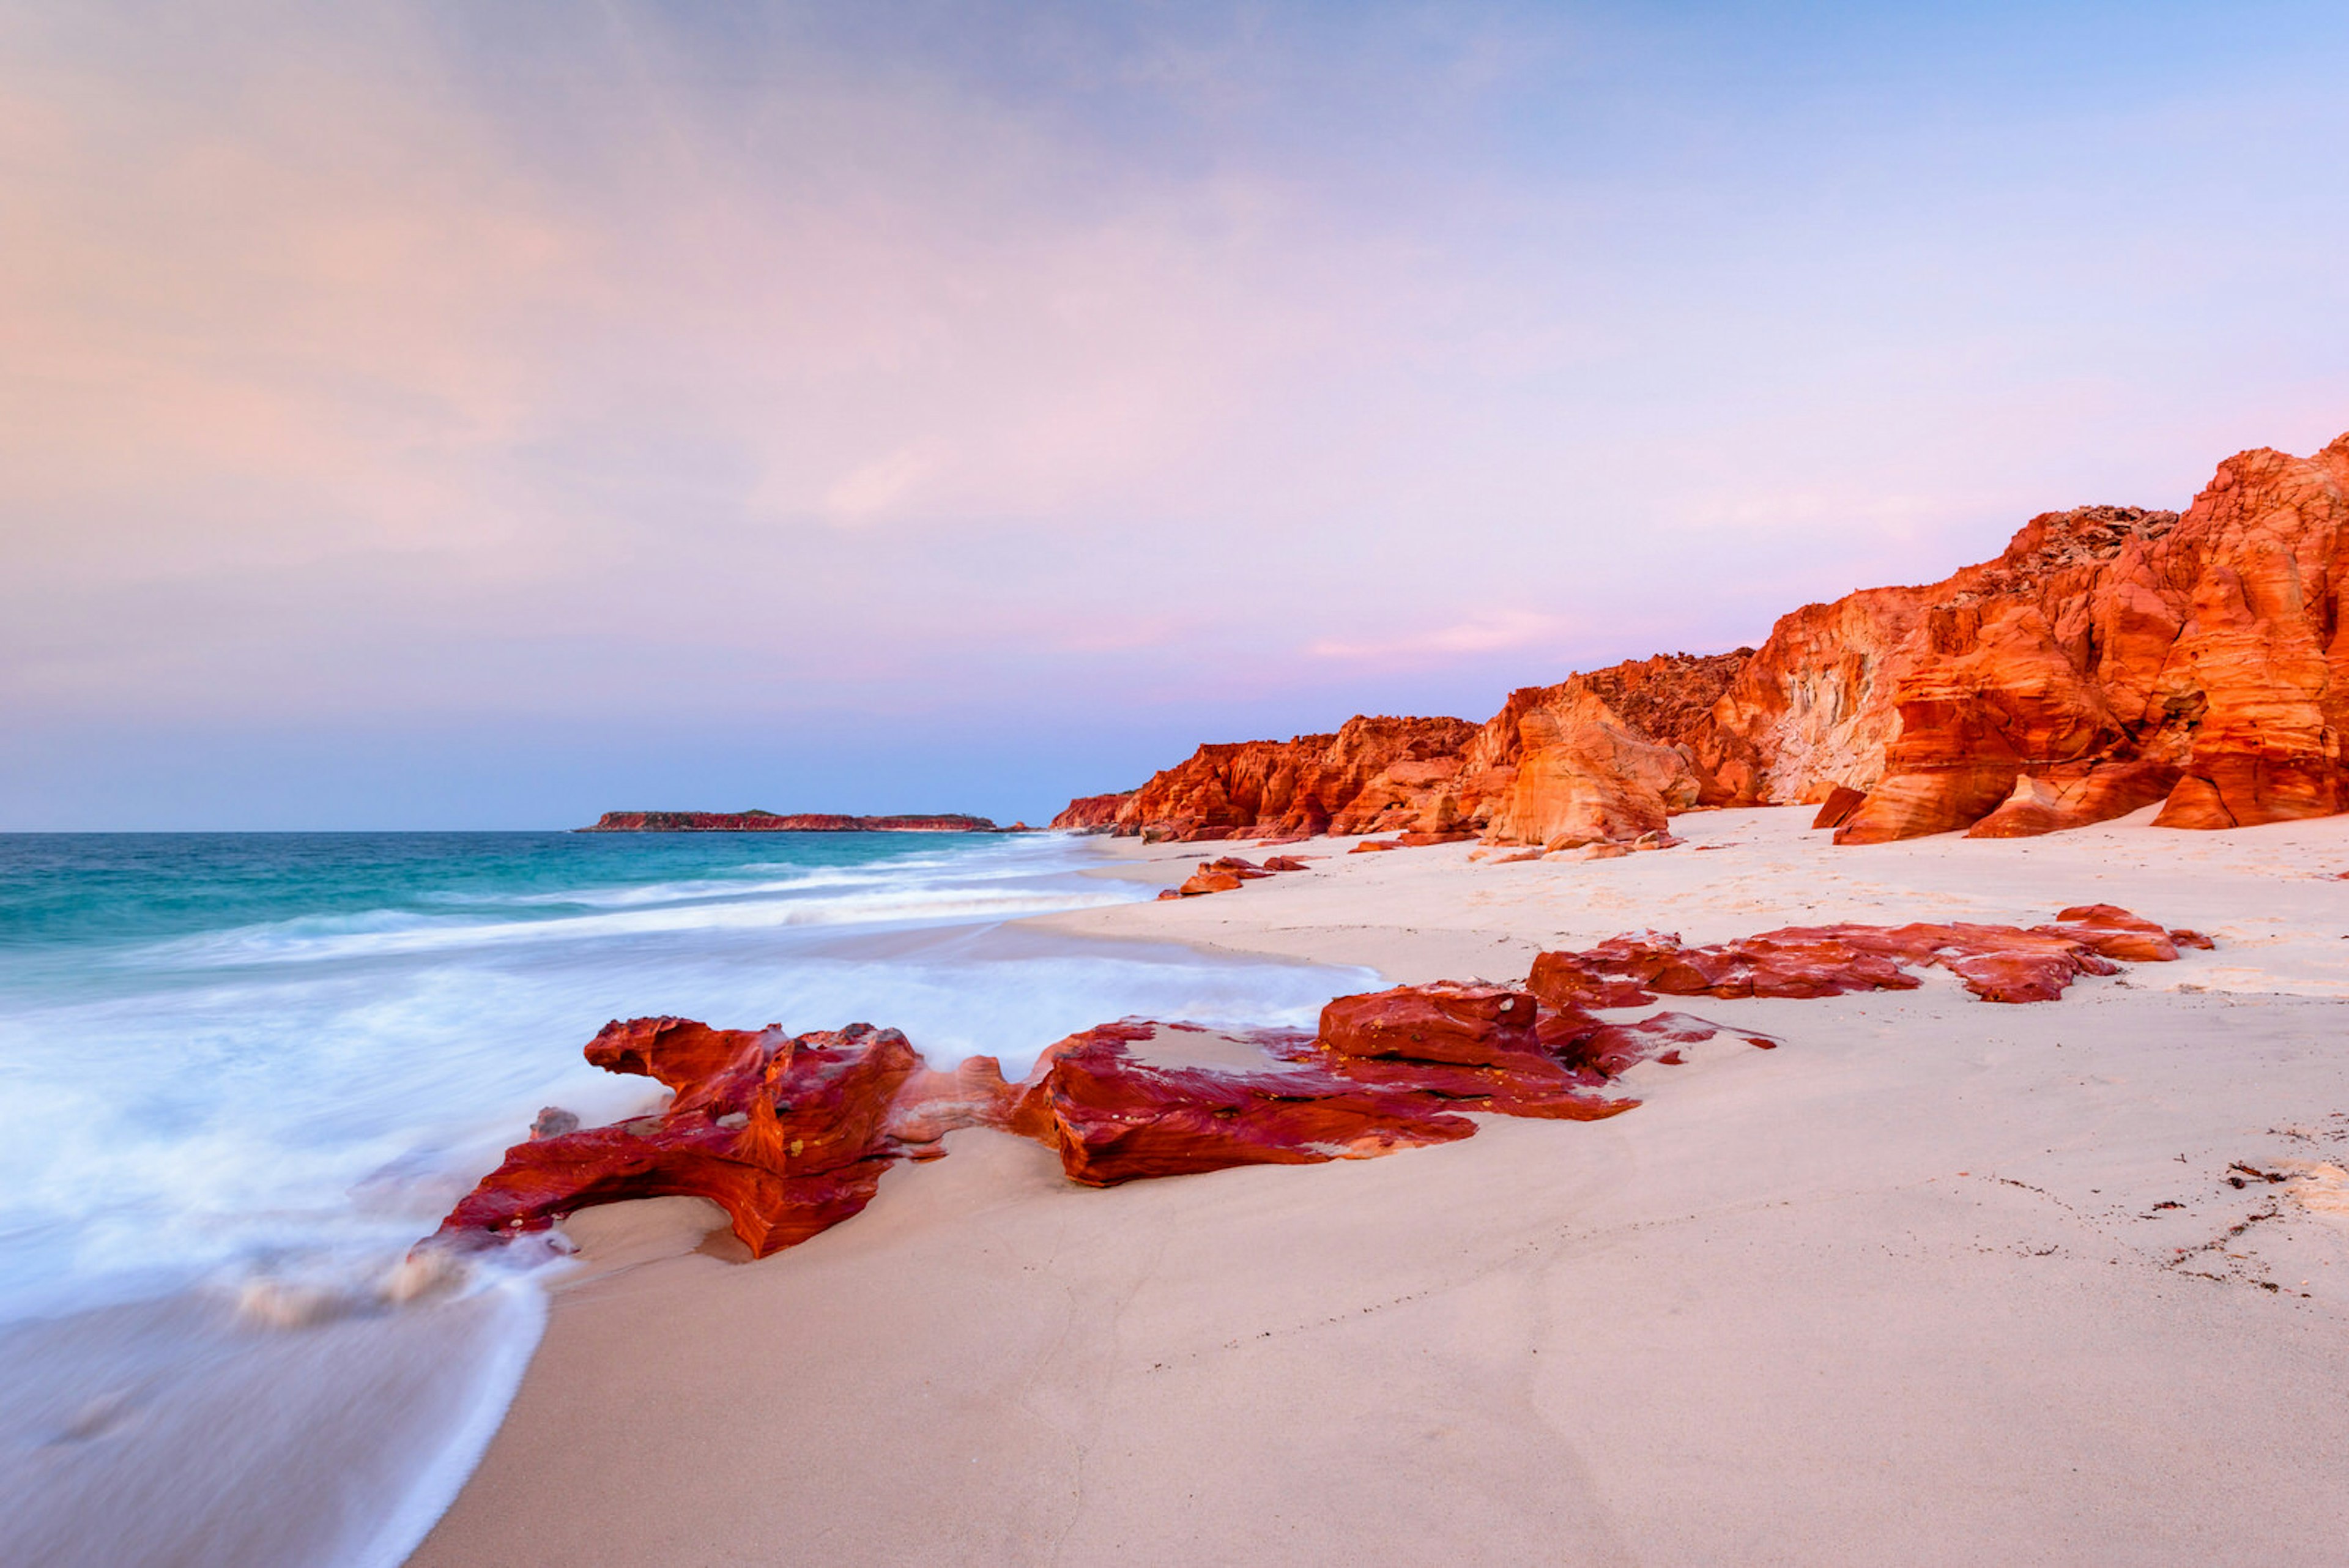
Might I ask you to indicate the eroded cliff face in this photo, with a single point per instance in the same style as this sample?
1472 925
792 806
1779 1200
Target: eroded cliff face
1375 771
2255 688
1093 812
1590 758
2110 657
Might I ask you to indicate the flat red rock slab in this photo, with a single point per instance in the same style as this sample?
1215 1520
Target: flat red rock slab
1611 1049
1997 963
1237 865
1115 1118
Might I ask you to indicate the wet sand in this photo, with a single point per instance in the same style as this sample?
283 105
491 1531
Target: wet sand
1936 1282
197 1431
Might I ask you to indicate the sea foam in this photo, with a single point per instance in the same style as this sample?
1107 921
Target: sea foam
240 1090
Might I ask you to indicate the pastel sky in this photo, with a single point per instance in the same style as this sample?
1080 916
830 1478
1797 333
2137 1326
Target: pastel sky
484 414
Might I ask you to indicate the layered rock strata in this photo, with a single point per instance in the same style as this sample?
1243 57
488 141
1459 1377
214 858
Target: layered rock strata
1595 756
2111 657
1093 812
790 1135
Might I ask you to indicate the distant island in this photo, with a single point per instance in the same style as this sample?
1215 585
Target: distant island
802 822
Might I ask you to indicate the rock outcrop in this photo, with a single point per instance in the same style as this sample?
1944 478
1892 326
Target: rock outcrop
2110 658
1229 874
1370 769
1093 812
790 1135
771 822
1387 1071
1595 756
1997 963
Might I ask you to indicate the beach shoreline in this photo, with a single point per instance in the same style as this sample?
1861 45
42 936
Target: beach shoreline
1938 1280
249 1074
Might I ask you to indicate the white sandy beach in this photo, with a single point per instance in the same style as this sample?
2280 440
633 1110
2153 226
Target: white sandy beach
1898 1292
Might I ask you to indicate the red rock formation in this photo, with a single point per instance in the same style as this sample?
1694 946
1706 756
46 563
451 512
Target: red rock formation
1600 758
1836 809
2115 933
1613 1049
1471 1025
769 822
1226 873
1258 789
1592 757
1093 812
1114 1118
1631 970
789 1136
2071 795
2109 659
1244 869
1389 1071
1997 963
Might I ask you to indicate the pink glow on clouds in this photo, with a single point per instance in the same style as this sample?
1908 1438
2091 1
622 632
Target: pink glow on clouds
361 372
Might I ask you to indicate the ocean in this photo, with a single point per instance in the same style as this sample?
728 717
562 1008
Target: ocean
245 1072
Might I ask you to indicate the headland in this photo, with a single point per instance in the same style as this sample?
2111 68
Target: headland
756 821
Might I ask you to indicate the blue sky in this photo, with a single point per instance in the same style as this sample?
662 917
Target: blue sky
462 415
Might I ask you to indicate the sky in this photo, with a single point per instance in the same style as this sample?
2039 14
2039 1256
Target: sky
465 415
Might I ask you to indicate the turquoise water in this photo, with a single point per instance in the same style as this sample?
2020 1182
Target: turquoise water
246 1070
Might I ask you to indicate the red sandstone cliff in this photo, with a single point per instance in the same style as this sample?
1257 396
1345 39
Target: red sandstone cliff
1093 812
2110 657
1592 757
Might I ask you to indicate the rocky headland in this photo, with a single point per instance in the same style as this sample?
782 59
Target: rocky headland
2111 657
801 822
